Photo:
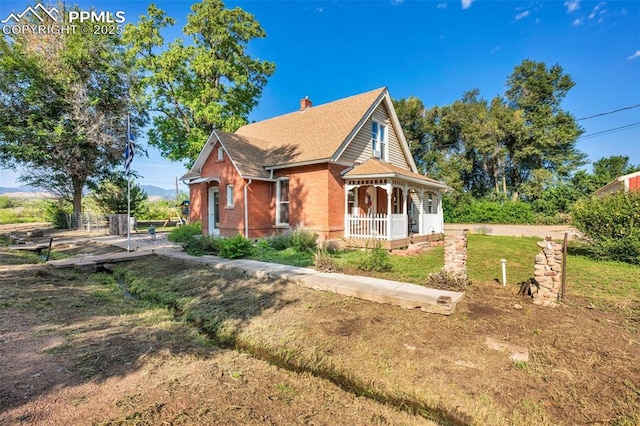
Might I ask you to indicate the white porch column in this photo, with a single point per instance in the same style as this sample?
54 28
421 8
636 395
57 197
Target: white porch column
405 195
421 212
389 187
346 211
441 211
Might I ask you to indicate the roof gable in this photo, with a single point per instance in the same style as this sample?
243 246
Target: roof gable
316 134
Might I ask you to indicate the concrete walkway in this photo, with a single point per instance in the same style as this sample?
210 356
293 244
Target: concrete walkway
374 289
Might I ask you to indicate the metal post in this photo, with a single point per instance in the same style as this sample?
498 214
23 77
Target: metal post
128 214
504 271
564 266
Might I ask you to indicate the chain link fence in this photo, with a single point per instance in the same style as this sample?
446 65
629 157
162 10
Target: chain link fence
89 222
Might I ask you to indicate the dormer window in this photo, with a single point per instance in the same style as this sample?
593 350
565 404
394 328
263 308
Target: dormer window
379 140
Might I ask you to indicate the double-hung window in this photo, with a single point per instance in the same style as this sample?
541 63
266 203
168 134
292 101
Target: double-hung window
379 140
230 200
282 202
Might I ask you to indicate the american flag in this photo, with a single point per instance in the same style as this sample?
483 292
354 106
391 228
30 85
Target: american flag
129 151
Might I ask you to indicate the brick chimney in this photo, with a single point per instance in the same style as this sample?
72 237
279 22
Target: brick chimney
305 103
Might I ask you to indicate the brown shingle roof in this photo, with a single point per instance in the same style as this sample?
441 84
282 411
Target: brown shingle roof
375 167
313 134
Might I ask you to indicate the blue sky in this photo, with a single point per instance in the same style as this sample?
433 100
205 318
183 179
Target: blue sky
435 50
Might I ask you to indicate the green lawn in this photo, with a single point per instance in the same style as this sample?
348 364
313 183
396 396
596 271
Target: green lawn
613 282
605 280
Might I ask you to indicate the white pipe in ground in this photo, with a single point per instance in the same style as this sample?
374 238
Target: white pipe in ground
504 271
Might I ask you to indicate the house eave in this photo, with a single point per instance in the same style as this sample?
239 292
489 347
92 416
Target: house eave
298 164
398 176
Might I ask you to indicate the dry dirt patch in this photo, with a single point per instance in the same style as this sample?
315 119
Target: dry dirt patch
121 362
74 350
582 366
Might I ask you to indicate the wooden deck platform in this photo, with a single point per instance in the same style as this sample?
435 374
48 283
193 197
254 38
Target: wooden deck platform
100 259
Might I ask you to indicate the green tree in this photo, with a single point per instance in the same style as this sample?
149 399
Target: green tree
209 83
63 103
551 132
516 145
607 169
110 195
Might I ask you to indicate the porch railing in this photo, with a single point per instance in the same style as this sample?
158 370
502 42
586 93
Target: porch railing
431 223
399 226
376 226
370 226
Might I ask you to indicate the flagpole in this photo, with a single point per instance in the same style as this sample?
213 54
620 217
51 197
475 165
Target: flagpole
128 191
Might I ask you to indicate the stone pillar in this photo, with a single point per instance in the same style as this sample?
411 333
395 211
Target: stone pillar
455 253
547 273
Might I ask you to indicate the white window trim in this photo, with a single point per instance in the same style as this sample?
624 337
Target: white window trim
220 154
382 143
278 202
230 196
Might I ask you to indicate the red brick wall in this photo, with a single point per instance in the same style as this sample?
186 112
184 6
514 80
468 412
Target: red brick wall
316 194
261 211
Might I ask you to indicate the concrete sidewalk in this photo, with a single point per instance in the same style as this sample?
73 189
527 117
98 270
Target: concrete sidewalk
374 289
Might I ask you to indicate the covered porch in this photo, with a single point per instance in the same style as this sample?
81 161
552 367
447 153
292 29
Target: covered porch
394 206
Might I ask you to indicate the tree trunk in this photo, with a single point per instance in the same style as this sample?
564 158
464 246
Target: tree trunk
77 200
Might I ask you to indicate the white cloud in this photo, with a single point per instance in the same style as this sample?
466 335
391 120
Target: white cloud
634 56
466 4
572 5
441 6
577 22
522 15
595 10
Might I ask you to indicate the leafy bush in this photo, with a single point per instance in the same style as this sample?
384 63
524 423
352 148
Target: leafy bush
375 259
304 240
280 241
485 211
203 244
323 261
6 202
235 247
156 210
56 212
612 224
184 234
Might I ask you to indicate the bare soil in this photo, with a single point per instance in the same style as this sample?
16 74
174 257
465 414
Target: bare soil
75 350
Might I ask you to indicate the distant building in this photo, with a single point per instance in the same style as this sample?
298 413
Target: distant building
630 182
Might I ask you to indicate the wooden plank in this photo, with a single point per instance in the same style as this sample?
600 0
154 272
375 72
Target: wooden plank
29 247
100 259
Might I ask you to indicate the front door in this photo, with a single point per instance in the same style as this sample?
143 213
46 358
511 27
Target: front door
214 211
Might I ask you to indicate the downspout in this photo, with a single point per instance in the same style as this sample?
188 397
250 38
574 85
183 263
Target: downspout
246 210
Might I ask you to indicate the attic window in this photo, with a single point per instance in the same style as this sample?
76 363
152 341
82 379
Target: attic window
379 140
220 154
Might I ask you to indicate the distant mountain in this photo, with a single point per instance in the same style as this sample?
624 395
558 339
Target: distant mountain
21 188
155 191
25 191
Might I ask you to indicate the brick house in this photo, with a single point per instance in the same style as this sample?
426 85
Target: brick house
630 182
342 169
